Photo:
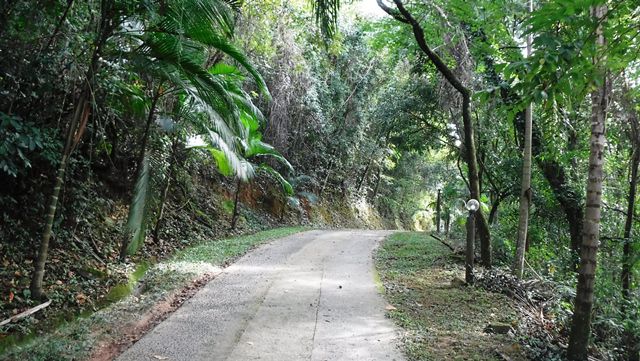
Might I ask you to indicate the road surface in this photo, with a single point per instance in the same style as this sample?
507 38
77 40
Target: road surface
309 296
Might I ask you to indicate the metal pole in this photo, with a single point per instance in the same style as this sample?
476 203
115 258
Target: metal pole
471 236
438 208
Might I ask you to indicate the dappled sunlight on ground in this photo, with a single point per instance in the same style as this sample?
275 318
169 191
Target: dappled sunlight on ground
443 319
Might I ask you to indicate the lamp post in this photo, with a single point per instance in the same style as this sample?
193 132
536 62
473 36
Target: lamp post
472 206
438 208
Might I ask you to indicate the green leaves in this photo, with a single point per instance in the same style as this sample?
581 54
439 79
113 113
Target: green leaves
136 222
286 186
233 145
18 140
326 14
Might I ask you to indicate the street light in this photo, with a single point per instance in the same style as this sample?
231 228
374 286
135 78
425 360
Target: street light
472 206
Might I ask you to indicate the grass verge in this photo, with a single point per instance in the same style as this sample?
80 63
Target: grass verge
170 282
442 320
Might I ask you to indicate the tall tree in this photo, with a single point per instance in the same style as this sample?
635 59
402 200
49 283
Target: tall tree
403 15
631 341
110 19
581 323
525 192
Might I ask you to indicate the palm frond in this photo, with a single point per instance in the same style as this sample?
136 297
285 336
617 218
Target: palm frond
136 222
227 159
259 148
286 186
326 14
209 23
152 176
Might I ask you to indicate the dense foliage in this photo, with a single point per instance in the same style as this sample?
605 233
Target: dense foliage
141 116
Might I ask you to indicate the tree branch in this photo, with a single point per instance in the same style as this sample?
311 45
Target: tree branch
392 12
435 59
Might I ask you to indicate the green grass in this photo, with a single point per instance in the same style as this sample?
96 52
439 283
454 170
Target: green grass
74 340
221 252
441 321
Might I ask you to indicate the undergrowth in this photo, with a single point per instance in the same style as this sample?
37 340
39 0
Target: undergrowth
442 319
74 340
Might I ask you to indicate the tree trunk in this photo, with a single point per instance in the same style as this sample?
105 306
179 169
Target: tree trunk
77 127
628 225
632 344
36 281
403 15
552 170
581 323
147 128
60 23
493 212
474 181
525 200
525 192
234 217
74 134
364 174
470 252
165 190
447 224
375 188
438 207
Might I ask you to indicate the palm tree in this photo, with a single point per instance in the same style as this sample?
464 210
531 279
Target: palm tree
221 130
170 40
253 149
240 157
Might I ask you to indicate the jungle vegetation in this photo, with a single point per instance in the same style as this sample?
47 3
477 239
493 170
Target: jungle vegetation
121 121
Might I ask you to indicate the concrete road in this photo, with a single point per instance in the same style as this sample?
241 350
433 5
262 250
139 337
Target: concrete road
310 296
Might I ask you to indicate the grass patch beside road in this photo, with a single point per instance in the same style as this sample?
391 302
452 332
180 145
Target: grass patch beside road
442 320
224 251
184 271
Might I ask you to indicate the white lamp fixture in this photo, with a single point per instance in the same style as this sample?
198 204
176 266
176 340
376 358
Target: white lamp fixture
472 205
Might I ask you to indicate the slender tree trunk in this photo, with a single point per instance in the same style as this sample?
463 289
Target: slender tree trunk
234 217
525 200
493 213
77 127
326 178
470 252
552 170
364 174
628 225
403 15
60 23
74 134
147 129
474 180
525 192
36 281
447 223
375 188
165 190
438 208
631 341
581 325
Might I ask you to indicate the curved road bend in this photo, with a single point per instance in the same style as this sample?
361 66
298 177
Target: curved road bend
310 296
